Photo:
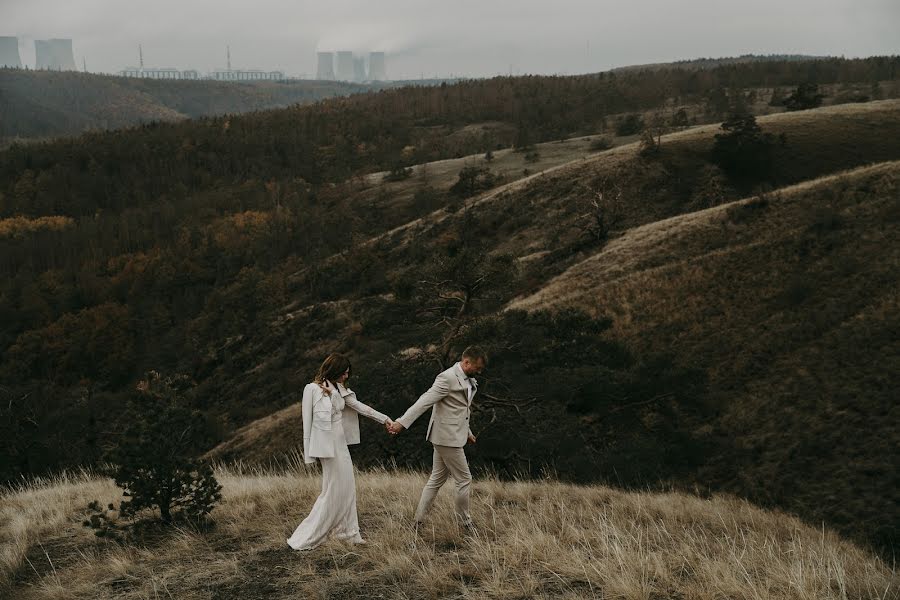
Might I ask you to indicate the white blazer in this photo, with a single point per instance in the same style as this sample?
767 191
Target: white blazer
451 399
316 409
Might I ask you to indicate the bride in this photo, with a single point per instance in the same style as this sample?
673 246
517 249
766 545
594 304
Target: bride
331 422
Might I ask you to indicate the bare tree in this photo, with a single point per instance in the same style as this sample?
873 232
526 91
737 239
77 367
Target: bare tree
464 281
651 137
604 210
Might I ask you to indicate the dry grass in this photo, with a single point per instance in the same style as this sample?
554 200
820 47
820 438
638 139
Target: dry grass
639 253
536 540
263 438
509 165
821 141
792 310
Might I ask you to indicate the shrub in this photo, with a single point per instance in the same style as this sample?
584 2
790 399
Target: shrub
600 144
744 152
680 118
153 461
649 146
100 520
398 173
473 180
806 96
630 125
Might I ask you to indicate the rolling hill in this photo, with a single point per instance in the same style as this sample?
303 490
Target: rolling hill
238 251
769 296
536 539
789 302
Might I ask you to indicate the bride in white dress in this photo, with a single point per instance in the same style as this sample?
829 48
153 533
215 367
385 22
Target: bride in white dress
330 423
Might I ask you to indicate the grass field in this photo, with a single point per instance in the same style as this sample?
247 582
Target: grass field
540 539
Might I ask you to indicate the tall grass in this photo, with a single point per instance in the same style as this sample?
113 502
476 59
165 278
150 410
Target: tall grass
536 539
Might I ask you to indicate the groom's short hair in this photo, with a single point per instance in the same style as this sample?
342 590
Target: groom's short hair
474 353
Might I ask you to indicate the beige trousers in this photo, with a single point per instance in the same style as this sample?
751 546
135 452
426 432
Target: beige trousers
447 461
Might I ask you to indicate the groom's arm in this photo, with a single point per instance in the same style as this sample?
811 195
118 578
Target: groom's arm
437 392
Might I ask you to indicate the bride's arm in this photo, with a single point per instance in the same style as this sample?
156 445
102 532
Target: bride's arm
365 409
307 412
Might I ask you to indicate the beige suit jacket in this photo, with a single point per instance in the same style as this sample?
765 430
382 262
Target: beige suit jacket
450 406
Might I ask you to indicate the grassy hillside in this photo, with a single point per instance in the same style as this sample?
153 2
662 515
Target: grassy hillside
238 251
789 301
46 104
783 283
538 539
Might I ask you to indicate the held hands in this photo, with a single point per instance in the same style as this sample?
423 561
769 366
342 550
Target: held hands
394 427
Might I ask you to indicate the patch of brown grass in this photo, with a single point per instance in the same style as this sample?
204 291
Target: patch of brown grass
536 540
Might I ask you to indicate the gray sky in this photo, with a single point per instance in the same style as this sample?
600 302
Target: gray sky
460 37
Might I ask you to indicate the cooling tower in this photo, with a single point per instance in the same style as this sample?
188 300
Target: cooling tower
377 69
54 54
345 66
43 57
9 52
359 69
326 66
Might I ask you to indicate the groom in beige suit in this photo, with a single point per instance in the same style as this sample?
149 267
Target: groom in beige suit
451 398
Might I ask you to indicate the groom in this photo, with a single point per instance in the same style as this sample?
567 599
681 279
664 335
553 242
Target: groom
451 396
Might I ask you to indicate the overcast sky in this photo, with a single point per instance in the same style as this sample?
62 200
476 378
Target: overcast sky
462 37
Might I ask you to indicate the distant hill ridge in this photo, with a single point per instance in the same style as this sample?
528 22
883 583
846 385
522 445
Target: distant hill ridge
709 63
47 104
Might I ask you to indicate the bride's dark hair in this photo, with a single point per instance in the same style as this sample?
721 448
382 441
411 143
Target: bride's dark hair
333 367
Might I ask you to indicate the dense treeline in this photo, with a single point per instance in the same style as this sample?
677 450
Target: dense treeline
709 63
331 141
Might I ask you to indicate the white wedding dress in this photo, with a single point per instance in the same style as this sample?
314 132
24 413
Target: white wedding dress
335 508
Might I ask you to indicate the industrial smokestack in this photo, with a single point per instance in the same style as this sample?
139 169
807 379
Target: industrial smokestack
43 55
359 69
9 52
345 65
377 67
326 66
54 54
